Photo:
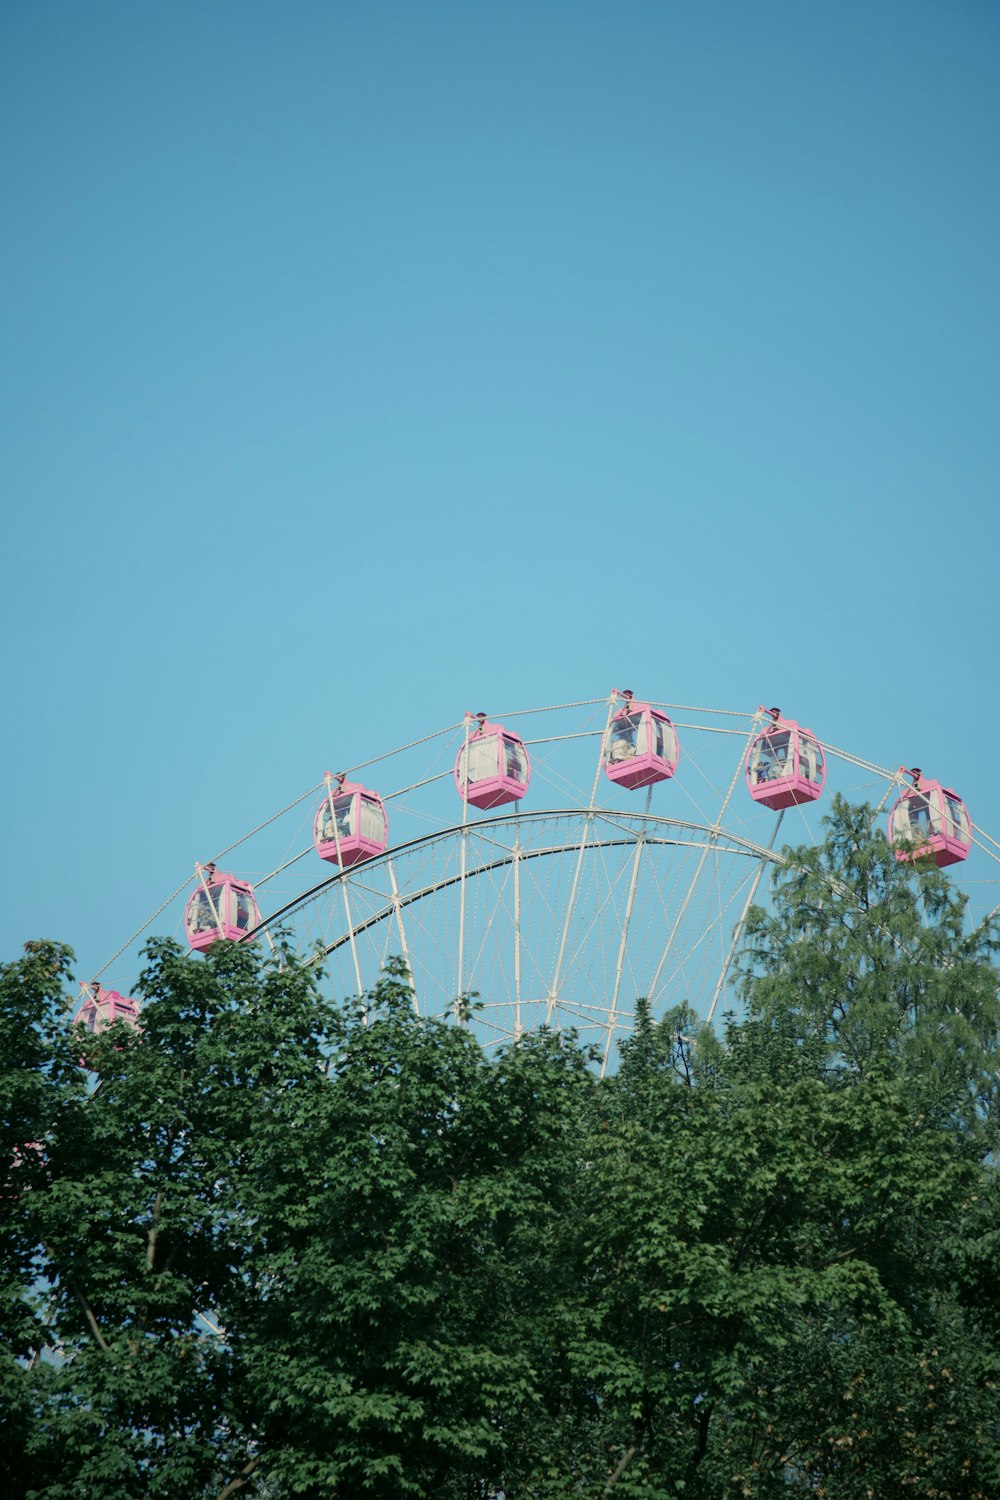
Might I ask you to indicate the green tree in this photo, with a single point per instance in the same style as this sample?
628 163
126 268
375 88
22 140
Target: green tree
875 960
286 1247
787 1229
294 1248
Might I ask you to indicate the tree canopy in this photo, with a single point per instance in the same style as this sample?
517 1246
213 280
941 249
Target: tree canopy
292 1247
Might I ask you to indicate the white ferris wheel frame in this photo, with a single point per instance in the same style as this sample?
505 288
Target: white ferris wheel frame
502 842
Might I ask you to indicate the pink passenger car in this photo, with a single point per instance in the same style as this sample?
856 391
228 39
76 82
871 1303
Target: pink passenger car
221 909
350 823
930 821
100 1008
641 746
786 765
492 767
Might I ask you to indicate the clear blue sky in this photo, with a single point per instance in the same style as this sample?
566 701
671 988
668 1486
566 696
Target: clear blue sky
360 364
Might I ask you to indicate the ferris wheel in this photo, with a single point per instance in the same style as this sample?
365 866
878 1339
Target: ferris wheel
552 865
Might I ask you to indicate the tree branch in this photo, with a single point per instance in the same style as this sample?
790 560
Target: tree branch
620 1468
89 1314
84 1304
154 1230
704 1417
240 1480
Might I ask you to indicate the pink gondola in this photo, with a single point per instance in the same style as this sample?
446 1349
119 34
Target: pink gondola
641 745
930 821
220 909
100 1008
350 823
492 766
786 765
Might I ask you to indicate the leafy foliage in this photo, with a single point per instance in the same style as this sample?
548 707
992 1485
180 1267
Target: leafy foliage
293 1248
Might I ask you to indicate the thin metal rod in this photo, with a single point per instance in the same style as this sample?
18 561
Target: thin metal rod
416 785
517 921
552 708
716 829
463 856
200 872
988 839
896 781
343 878
402 932
738 929
588 820
559 739
424 739
140 930
697 708
350 929
620 963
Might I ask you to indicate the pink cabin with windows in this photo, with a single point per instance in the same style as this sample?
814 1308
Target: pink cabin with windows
350 823
221 909
786 765
492 767
641 746
101 1008
930 821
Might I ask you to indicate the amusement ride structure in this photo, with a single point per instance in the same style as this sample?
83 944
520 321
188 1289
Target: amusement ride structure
557 870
